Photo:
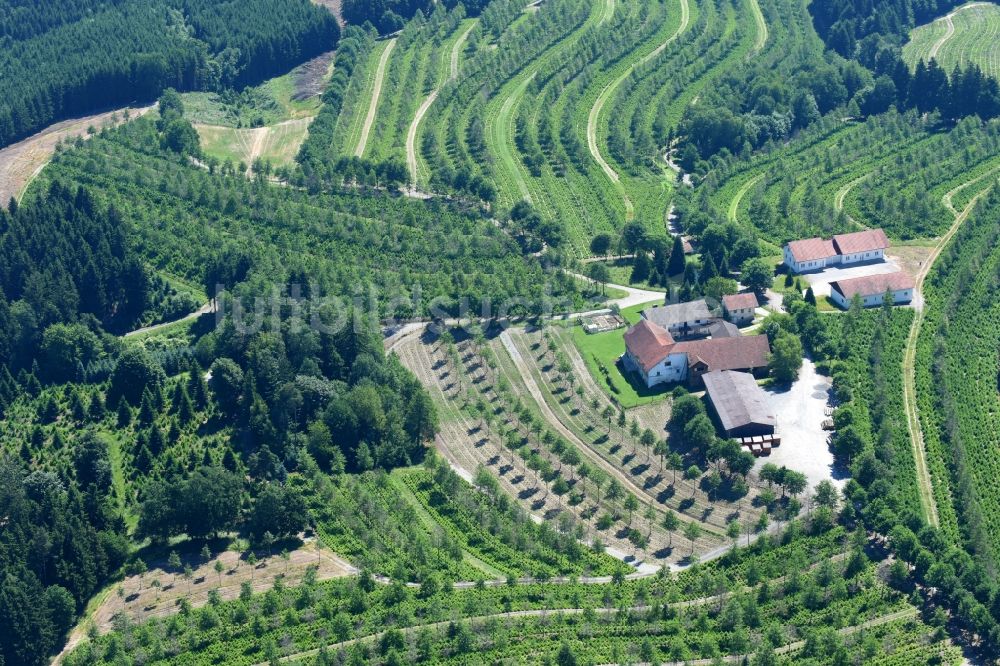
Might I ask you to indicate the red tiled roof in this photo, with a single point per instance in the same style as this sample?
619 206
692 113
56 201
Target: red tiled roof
861 241
648 343
811 249
727 353
871 285
740 301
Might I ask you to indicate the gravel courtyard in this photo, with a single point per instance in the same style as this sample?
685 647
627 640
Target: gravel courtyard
820 281
800 411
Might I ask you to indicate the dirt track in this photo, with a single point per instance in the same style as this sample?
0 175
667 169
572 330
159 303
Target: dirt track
376 94
22 161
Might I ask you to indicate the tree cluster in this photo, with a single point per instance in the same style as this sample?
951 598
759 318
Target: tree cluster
64 258
391 15
102 53
874 35
336 394
60 542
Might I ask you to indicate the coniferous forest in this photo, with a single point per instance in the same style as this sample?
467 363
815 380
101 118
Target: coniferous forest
63 59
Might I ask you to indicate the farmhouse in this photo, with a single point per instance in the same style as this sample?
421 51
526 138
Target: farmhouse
681 319
739 308
814 254
740 404
653 354
872 289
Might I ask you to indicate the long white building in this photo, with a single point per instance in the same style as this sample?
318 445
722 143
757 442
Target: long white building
871 289
815 254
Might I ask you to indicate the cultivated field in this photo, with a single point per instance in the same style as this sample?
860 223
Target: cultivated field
268 122
536 420
158 592
968 34
277 144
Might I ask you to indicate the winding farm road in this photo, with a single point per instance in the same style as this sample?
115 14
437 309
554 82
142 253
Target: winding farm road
841 194
949 28
411 134
256 146
734 204
595 111
585 449
894 616
207 308
376 93
903 613
758 17
949 31
503 133
924 483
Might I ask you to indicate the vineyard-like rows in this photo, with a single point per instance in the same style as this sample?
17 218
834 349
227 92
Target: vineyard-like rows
890 171
808 602
418 63
551 476
957 375
972 37
524 408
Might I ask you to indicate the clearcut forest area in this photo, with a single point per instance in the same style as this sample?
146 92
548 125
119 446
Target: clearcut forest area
554 332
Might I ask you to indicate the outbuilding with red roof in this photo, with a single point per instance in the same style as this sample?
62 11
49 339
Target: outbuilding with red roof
652 353
739 308
815 254
871 289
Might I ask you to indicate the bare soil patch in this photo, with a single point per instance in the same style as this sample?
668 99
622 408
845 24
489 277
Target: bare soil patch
310 77
142 600
912 256
22 161
335 7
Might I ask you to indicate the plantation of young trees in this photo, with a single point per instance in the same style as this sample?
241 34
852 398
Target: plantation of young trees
490 493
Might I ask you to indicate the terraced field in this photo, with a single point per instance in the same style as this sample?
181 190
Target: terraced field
968 34
506 406
889 172
542 133
697 617
447 71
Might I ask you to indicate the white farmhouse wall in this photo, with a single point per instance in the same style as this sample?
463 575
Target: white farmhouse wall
873 300
859 257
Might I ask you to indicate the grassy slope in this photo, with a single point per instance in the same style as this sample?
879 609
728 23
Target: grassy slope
605 348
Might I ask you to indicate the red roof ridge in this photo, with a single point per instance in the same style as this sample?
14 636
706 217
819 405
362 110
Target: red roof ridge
746 299
870 285
861 241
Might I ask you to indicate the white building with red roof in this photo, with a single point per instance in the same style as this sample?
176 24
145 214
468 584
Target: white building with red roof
815 254
871 289
739 308
653 354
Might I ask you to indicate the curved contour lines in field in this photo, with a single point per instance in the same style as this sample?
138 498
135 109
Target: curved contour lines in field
500 126
605 95
411 135
924 482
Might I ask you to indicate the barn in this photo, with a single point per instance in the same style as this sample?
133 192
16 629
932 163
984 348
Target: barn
741 406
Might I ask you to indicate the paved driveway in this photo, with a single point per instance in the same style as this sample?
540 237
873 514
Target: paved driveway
800 411
820 281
